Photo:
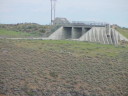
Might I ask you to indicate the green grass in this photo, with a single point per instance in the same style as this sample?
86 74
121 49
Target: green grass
123 31
73 47
7 33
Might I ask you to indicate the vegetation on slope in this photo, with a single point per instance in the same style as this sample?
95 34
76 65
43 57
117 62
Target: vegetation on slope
123 31
32 28
62 68
6 33
43 30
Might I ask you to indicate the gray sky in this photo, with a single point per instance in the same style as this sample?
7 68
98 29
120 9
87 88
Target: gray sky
38 11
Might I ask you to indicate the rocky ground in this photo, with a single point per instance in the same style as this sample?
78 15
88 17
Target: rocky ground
62 68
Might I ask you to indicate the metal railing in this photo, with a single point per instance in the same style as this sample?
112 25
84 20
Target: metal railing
88 23
83 23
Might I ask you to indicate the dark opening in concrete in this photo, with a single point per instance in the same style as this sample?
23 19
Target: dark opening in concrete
67 32
76 32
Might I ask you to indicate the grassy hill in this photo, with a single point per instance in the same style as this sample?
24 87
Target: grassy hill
62 68
6 33
31 28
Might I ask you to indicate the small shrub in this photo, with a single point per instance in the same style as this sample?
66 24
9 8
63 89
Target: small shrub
53 74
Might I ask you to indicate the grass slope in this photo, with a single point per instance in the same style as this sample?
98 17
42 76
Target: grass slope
62 68
32 28
7 33
123 31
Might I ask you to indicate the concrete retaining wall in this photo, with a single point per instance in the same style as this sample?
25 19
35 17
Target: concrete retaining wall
102 35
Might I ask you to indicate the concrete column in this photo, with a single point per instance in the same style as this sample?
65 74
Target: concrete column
76 32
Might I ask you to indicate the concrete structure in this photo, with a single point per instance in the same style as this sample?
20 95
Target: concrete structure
91 32
60 21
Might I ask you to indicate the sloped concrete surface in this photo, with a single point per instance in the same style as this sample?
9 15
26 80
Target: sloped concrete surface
57 35
101 35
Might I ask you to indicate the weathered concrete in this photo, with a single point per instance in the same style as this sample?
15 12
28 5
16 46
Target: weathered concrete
57 35
76 32
100 35
104 35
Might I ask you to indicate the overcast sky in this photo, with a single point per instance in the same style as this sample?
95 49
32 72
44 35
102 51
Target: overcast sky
38 11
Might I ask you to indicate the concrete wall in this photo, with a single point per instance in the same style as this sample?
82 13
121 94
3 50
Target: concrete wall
104 35
57 35
100 35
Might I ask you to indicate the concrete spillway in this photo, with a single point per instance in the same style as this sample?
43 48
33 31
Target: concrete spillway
101 35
